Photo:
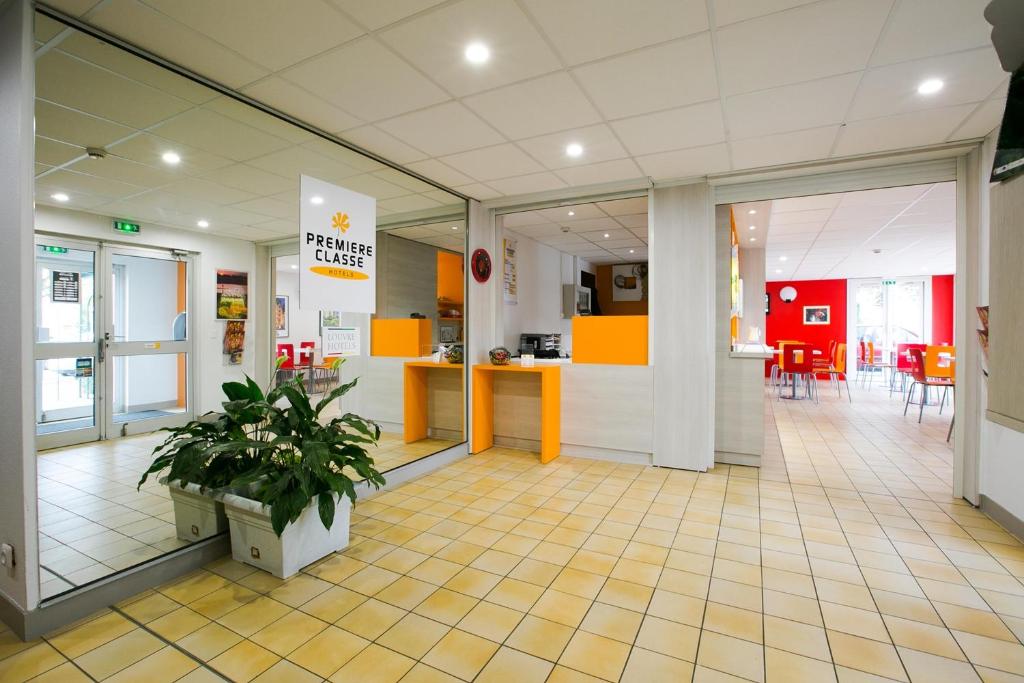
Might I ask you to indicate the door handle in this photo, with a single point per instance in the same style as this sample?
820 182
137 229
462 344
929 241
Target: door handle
101 351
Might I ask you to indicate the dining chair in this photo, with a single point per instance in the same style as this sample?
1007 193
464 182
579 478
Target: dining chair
838 369
940 363
797 365
823 364
921 379
902 366
776 371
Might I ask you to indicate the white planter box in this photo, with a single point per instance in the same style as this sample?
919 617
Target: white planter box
197 515
303 542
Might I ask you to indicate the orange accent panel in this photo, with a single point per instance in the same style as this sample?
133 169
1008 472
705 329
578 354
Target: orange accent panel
550 407
402 337
611 340
182 363
415 397
450 276
604 296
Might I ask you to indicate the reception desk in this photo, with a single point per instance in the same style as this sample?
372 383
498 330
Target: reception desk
416 413
550 376
401 337
609 339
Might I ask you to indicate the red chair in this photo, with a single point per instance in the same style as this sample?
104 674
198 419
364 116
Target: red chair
917 371
797 364
823 365
306 353
903 364
288 351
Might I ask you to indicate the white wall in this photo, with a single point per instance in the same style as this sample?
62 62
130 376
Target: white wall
212 253
303 325
540 276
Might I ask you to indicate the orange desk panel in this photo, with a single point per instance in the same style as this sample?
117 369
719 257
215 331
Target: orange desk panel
609 339
415 397
402 337
550 407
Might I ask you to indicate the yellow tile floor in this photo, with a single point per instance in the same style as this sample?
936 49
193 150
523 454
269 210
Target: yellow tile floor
844 558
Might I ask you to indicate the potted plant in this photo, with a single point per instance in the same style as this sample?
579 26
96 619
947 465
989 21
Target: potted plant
280 473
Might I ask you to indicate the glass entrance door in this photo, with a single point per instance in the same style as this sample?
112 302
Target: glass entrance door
112 353
890 312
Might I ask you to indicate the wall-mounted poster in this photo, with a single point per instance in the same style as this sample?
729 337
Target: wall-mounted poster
340 341
337 248
65 286
232 295
629 282
234 341
329 319
281 315
510 285
817 315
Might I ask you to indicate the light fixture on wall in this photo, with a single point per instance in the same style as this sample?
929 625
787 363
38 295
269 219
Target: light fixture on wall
788 294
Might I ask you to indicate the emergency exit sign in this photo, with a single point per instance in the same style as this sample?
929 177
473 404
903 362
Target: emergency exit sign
125 226
50 249
888 283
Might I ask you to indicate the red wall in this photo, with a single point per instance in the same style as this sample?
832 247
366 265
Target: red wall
942 309
786 321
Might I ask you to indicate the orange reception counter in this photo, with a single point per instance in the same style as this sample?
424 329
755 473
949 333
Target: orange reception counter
416 396
401 337
609 339
550 379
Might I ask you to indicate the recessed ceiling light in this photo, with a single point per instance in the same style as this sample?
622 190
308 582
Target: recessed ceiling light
752 212
172 158
778 270
477 53
59 196
930 86
783 258
455 227
753 239
632 251
574 149
606 235
294 267
316 200
753 227
203 223
572 213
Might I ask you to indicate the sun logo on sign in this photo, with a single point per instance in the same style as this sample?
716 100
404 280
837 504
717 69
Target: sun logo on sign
339 222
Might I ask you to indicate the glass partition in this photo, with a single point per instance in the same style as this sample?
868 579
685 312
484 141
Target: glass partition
151 190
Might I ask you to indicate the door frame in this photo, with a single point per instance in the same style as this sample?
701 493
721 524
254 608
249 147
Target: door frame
103 348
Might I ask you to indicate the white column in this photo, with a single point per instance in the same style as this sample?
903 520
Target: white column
483 301
752 272
18 521
682 298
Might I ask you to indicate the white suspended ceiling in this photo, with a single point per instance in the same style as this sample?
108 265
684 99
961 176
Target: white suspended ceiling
613 231
890 232
657 88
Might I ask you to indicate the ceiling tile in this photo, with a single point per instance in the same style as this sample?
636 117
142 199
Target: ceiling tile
596 228
624 207
580 212
55 153
219 135
71 82
599 144
635 221
435 42
207 191
526 184
820 201
343 155
435 170
784 148
968 76
81 183
521 218
147 149
791 107
731 11
368 80
272 34
445 129
478 191
412 202
300 103
404 180
375 140
240 112
373 186
539 106
251 179
699 124
686 163
982 121
604 172
175 42
375 15
273 208
823 39
73 127
493 162
652 79
902 131
125 171
924 28
296 161
585 30
621 243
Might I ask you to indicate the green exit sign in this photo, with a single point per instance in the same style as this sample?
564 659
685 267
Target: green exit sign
125 226
49 249
888 283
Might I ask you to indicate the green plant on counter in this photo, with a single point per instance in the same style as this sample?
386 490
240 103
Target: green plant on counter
279 455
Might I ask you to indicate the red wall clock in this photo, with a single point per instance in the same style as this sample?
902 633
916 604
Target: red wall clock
481 265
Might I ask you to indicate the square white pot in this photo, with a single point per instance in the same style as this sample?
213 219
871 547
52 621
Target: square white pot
197 515
303 541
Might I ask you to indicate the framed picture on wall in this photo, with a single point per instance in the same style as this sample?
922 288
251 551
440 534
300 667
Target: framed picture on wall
329 319
281 315
817 315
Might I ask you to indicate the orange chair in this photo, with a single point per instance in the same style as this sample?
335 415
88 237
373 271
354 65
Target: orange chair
940 363
824 364
838 369
921 378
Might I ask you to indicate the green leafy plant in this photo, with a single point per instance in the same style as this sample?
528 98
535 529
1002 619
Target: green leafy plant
273 447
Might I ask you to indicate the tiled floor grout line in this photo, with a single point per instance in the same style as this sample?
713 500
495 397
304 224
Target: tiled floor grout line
707 595
67 659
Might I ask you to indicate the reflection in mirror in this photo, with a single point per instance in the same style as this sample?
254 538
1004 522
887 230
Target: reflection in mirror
406 355
152 192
